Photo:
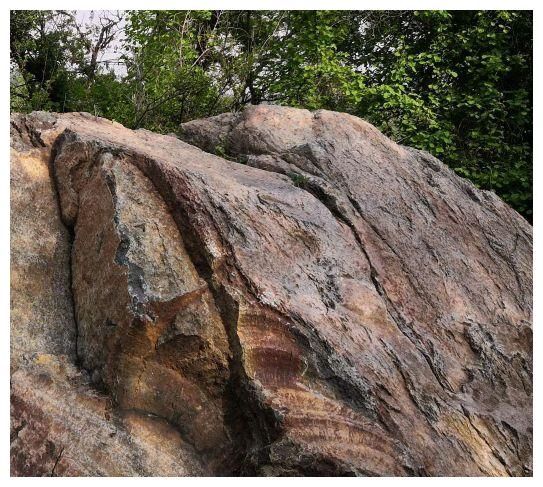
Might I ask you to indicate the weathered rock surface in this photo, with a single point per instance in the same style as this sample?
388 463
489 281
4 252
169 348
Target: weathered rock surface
41 299
62 427
60 423
337 305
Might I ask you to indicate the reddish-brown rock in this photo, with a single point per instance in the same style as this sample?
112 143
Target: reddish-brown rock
448 354
60 423
338 305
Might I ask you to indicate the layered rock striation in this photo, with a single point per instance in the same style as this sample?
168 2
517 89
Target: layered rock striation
319 301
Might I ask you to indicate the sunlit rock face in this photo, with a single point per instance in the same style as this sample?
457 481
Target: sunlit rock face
321 302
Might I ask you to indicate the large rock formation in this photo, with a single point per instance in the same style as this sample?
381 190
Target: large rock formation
324 302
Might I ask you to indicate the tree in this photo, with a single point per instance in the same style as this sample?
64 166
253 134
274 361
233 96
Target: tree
455 83
458 84
55 62
41 46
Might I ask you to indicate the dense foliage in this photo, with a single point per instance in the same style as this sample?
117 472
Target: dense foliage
457 84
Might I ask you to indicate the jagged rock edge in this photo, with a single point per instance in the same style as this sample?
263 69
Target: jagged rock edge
328 194
240 388
36 143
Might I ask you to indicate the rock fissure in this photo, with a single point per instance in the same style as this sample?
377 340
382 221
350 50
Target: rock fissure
270 322
395 316
257 425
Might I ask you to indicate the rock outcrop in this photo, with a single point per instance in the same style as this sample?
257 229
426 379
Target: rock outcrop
318 301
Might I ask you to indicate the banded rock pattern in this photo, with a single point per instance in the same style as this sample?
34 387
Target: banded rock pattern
335 304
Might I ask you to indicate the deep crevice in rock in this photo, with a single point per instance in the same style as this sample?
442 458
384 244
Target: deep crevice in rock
255 427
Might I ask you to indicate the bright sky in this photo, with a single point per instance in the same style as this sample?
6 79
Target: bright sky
91 18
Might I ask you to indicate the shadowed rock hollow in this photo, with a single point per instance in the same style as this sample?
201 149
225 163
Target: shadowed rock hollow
319 301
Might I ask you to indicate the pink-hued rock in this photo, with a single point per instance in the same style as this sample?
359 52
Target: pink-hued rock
336 305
